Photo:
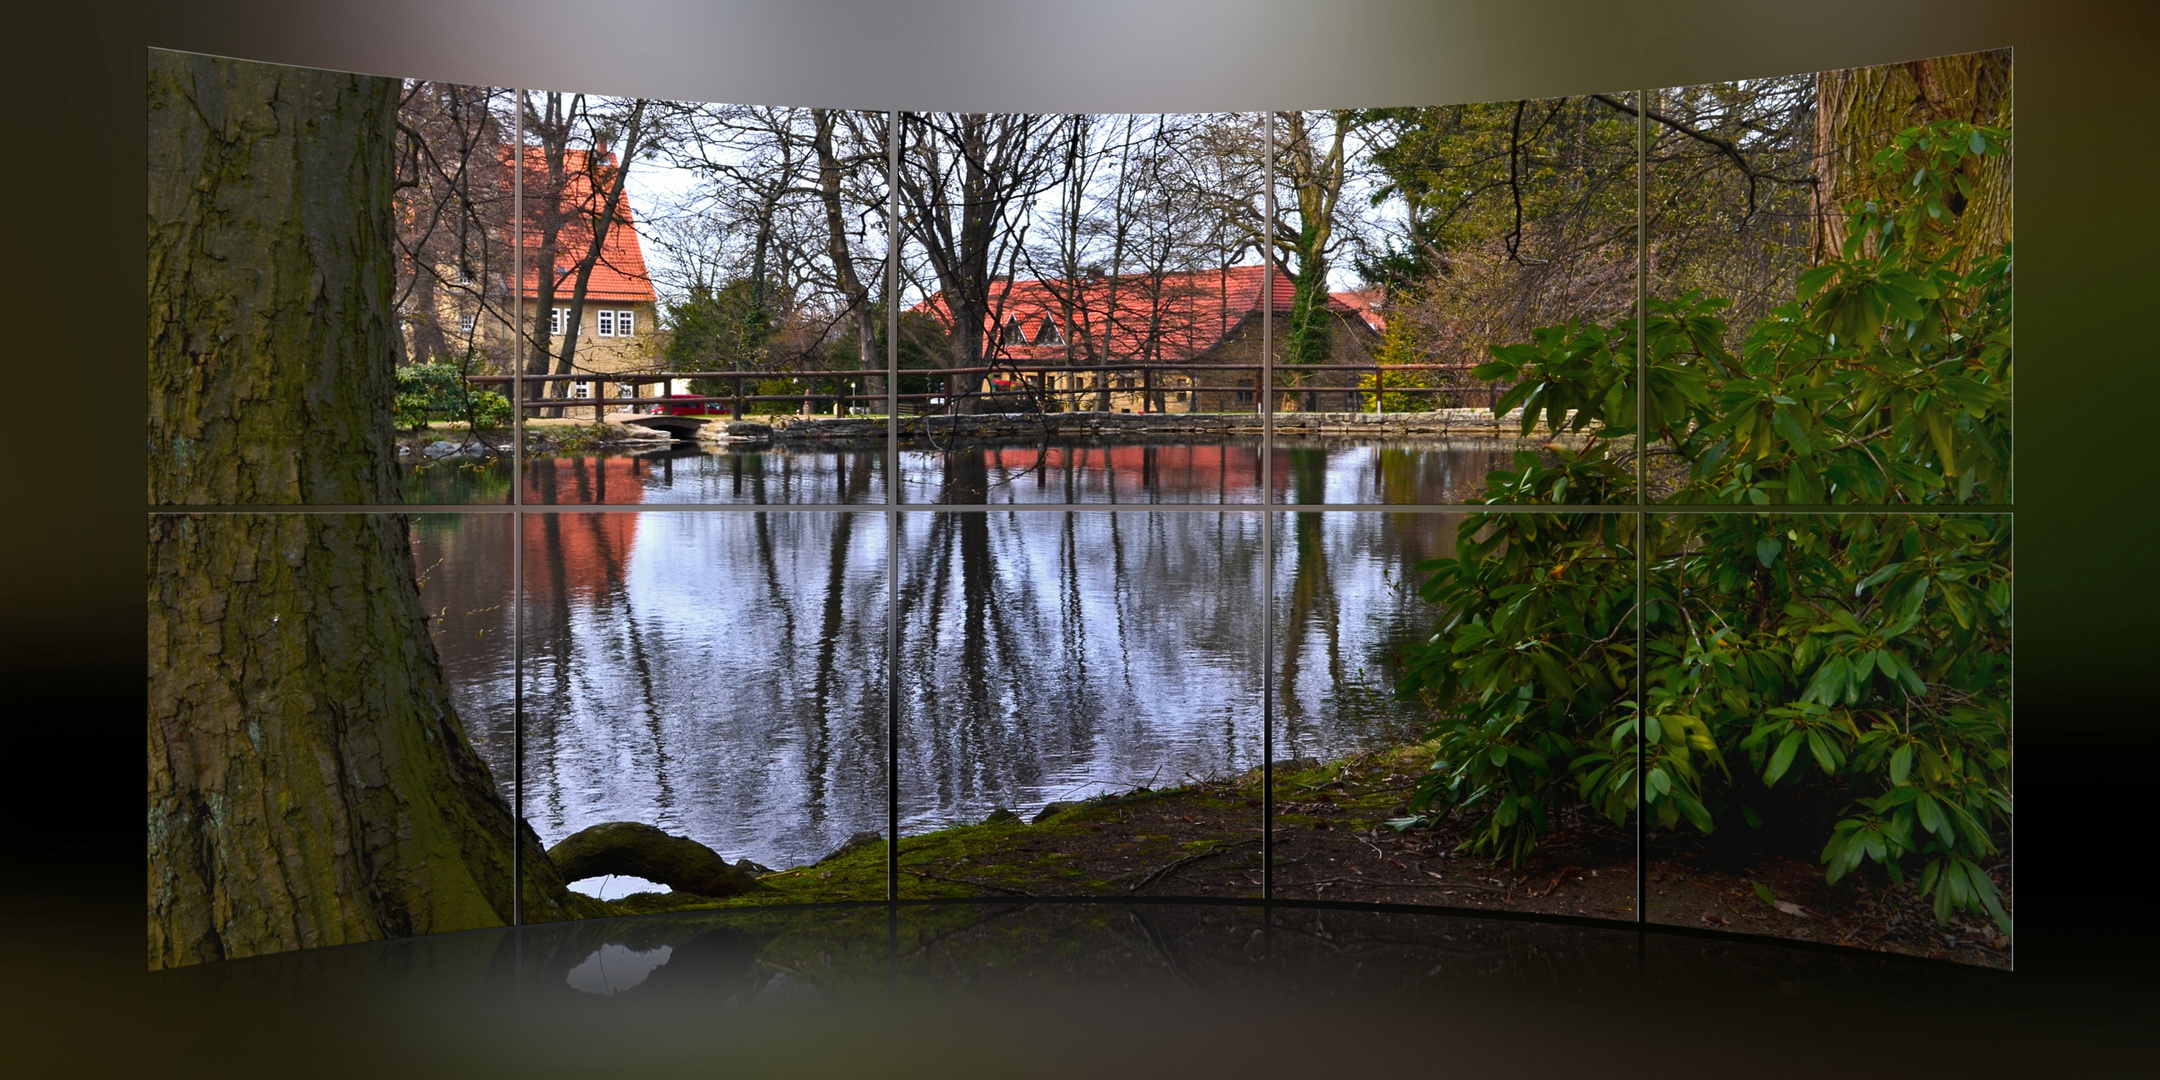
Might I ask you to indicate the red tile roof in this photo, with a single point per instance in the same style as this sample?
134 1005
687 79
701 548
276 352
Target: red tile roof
1181 314
620 274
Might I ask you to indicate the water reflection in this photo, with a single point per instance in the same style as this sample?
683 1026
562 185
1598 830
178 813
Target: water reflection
722 674
463 562
718 675
1223 471
1050 656
1398 473
676 473
1197 472
1306 471
1346 605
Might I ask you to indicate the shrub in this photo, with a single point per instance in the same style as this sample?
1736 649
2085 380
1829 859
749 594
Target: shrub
1858 661
429 392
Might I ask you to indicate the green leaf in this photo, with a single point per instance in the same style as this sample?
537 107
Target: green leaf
1820 748
1782 419
1901 764
1763 893
1782 758
1931 816
1812 281
1766 549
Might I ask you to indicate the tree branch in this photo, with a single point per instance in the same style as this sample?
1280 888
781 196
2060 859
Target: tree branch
1724 146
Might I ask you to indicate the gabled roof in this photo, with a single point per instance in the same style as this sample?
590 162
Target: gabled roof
1174 316
619 276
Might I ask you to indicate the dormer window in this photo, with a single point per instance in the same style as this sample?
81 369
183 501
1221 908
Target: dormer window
1047 333
1014 333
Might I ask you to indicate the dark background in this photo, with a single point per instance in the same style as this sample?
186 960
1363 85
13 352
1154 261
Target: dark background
2088 193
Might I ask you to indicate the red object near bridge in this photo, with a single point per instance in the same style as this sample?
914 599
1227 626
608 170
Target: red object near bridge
691 406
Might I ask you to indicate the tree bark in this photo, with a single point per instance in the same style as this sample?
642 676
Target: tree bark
1858 110
1316 179
832 173
309 781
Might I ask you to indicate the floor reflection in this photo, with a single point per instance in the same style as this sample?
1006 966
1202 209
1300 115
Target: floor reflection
1131 989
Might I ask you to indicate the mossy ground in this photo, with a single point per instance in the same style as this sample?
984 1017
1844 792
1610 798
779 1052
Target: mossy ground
1332 843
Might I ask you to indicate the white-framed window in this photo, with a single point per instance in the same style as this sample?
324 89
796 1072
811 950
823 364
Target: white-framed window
465 322
1015 334
1047 333
555 321
625 323
581 389
607 322
626 390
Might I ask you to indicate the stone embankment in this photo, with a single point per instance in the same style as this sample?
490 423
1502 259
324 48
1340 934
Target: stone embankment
1123 427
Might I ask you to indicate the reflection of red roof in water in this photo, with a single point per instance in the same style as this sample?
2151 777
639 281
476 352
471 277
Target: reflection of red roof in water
620 274
1169 470
587 481
580 554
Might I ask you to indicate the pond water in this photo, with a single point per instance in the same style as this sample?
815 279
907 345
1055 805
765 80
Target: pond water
1309 471
723 674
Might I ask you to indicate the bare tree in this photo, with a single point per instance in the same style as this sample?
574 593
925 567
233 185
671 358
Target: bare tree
453 224
966 183
576 162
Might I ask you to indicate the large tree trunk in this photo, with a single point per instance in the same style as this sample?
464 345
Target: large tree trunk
1858 110
309 782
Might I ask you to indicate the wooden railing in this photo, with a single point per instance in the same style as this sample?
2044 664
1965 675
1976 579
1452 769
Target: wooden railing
1023 390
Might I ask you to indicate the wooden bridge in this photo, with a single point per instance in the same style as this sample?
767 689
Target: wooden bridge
682 428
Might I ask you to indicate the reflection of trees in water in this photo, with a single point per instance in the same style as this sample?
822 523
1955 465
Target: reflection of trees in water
1347 593
597 547
1312 604
1047 655
463 562
673 682
738 658
681 473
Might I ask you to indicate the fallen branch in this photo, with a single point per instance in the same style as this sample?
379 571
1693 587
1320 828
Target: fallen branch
1157 875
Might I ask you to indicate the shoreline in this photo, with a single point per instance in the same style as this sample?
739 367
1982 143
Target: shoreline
1331 843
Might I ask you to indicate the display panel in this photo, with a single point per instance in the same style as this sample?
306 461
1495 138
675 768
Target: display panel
1454 701
323 716
1829 282
1829 698
1080 703
1461 296
706 688
1091 287
705 301
328 257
